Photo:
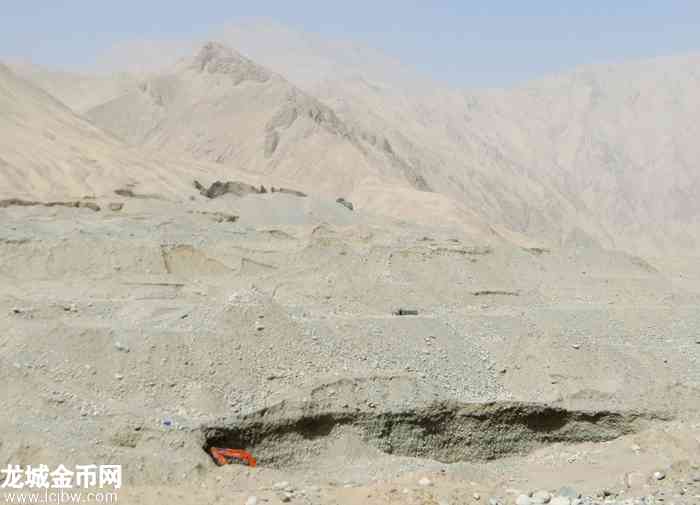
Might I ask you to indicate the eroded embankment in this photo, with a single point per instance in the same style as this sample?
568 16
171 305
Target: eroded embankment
289 433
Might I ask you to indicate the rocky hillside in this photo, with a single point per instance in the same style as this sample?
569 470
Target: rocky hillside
602 156
604 153
221 107
49 152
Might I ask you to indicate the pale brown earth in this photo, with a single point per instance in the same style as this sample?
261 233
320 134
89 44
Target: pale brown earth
546 237
114 322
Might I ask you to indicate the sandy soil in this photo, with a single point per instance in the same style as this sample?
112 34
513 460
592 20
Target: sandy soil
137 337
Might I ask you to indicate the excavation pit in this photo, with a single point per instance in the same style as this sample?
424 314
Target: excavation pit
291 434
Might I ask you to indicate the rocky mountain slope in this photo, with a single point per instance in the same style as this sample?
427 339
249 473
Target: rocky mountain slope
221 107
604 152
602 155
49 152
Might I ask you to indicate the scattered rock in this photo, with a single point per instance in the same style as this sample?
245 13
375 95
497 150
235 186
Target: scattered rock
116 206
659 475
219 217
280 485
540 497
219 188
568 492
523 499
347 204
476 496
16 202
560 500
89 205
405 312
495 292
12 202
252 500
126 438
425 482
121 347
287 191
695 477
537 251
129 193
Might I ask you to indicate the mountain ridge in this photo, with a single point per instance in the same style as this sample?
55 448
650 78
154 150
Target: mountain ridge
604 152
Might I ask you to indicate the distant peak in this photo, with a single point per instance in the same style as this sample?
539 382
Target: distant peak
216 58
215 50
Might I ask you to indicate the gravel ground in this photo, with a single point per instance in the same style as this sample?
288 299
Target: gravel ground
122 333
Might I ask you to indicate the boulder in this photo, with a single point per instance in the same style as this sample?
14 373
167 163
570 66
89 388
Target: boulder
345 203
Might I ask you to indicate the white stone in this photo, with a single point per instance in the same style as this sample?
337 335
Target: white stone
523 499
540 497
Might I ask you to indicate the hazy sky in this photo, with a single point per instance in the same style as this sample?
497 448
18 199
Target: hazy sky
462 42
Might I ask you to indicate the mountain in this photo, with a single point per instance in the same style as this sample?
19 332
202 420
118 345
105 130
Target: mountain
604 152
602 155
49 152
221 107
80 92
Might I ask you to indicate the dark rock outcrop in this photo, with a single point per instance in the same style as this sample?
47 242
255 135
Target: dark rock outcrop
345 203
16 202
288 191
235 188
